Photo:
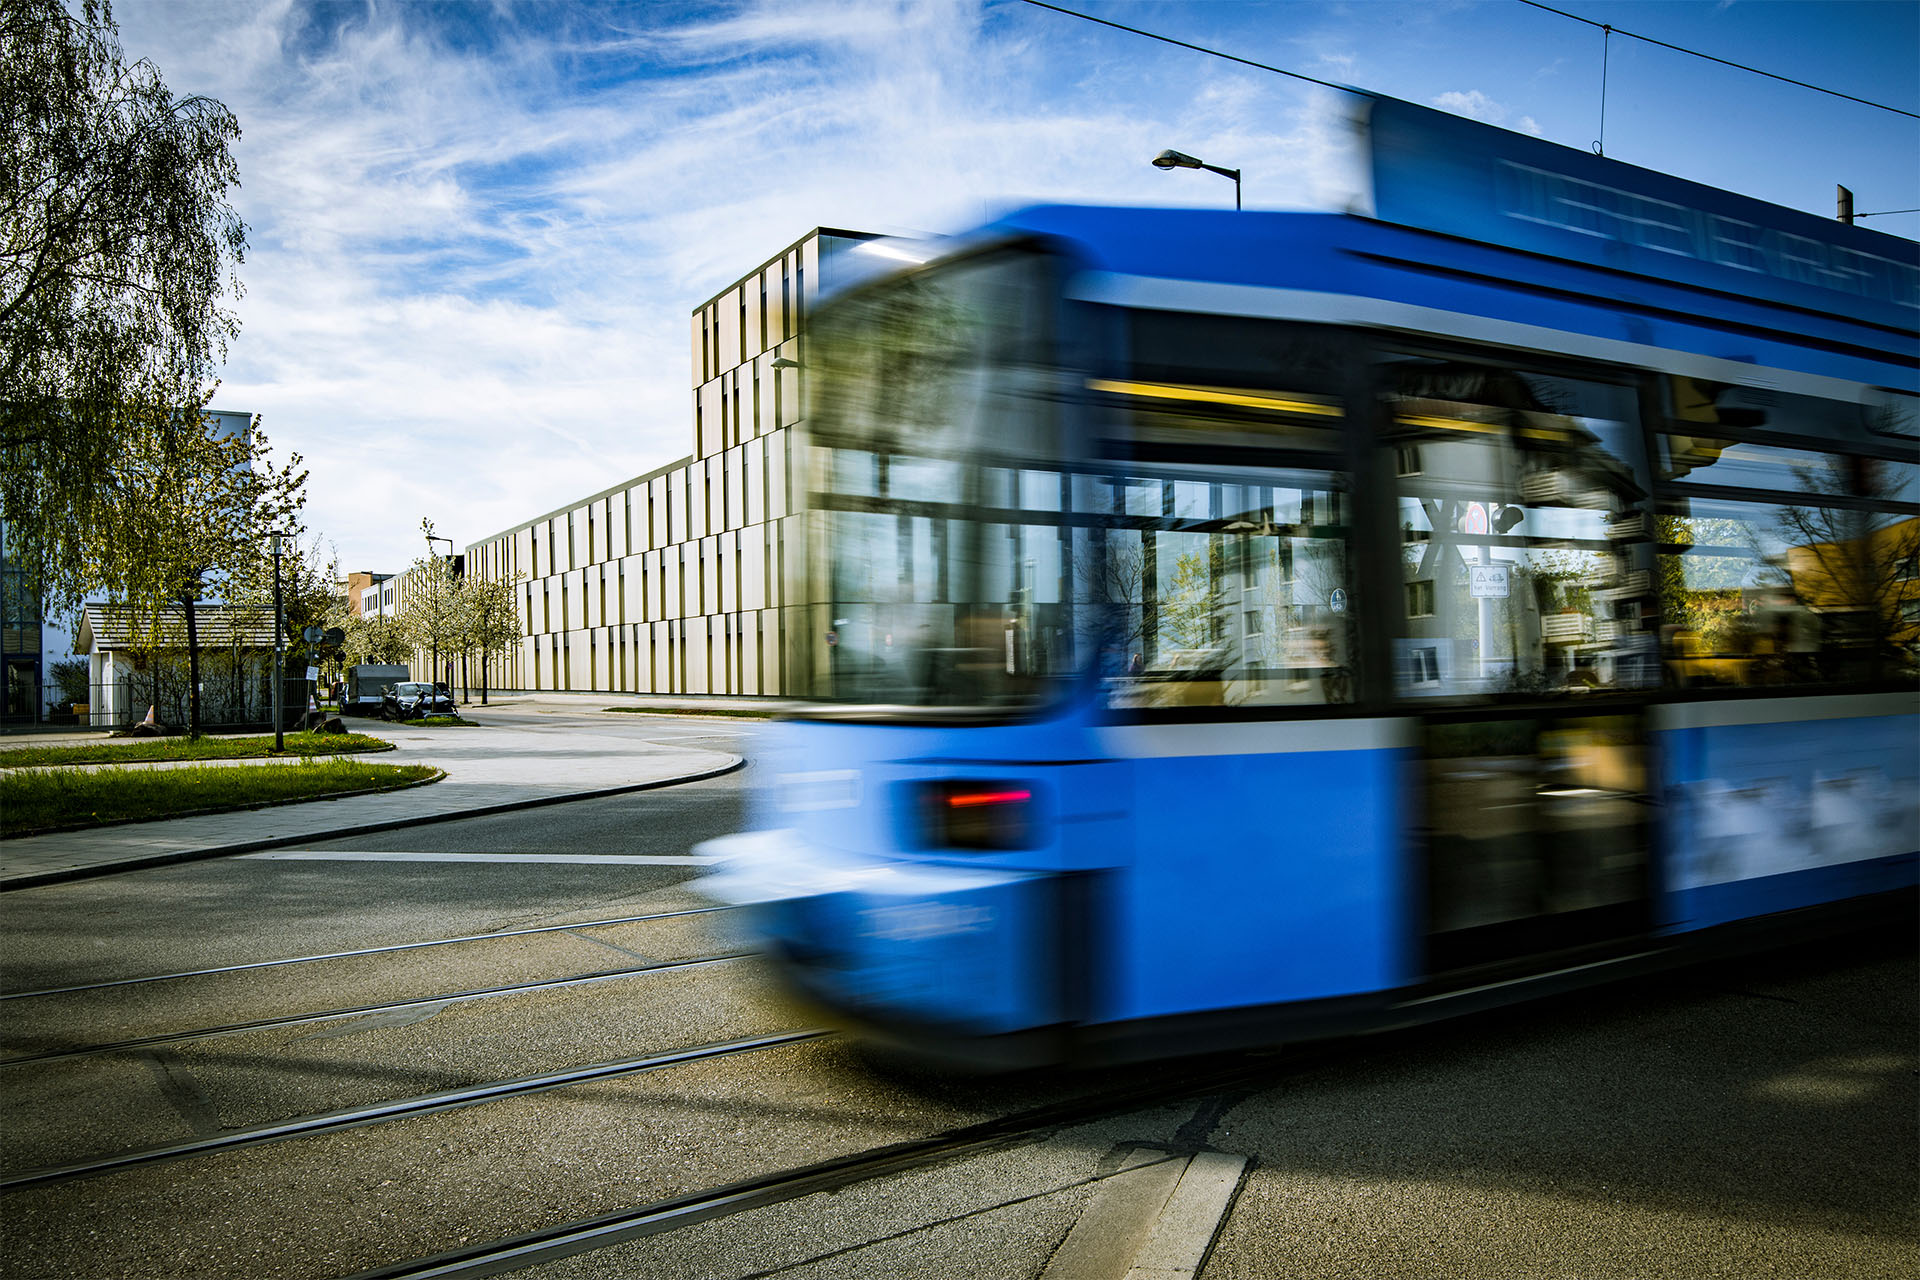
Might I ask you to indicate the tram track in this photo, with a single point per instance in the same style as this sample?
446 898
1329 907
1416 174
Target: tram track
404 1108
354 1011
1032 1125
362 951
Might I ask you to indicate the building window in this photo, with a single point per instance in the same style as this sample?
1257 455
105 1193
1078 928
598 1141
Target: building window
786 302
705 370
743 327
1420 598
756 399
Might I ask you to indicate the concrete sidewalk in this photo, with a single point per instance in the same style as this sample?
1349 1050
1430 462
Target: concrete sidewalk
491 769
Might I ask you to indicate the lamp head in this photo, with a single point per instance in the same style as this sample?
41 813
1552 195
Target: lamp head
1175 160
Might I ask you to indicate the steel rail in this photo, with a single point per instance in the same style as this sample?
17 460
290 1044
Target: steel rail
363 951
424 1104
299 1019
553 1243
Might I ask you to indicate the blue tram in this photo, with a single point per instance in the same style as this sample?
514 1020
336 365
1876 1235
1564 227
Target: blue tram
1229 627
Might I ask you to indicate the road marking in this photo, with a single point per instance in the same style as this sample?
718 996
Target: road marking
1191 1218
575 859
1151 1221
1114 1226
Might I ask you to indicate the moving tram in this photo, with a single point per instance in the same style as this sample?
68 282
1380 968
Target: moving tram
1230 627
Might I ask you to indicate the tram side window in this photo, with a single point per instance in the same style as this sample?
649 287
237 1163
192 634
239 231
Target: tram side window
1223 582
1218 587
1814 580
1524 532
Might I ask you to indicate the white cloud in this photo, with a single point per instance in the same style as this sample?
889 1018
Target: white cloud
473 253
478 231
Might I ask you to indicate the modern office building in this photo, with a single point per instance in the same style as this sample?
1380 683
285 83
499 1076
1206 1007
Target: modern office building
674 581
358 588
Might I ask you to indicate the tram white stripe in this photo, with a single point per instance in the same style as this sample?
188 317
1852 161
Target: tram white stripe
575 859
1720 713
1255 737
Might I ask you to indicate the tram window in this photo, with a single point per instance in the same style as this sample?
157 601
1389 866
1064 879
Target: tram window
1225 381
1761 593
1714 413
1231 593
1524 548
1736 464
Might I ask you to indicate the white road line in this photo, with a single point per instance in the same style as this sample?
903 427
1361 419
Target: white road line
575 859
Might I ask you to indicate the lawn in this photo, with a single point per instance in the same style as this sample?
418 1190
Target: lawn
442 722
135 750
62 799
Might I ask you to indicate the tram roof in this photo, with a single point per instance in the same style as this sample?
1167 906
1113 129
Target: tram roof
1468 219
1303 264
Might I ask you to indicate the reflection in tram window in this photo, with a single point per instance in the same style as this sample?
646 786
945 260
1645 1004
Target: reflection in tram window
1233 593
1523 532
1812 582
1780 594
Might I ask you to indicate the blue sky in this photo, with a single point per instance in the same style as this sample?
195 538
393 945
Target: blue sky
478 229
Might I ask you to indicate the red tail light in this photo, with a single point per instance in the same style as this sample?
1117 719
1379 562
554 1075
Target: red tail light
976 815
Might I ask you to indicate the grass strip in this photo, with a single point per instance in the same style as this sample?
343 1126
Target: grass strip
31 803
693 711
145 750
442 722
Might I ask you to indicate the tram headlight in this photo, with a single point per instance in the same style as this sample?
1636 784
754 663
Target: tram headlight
969 814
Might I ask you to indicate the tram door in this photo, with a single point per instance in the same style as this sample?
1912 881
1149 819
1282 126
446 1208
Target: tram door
1525 649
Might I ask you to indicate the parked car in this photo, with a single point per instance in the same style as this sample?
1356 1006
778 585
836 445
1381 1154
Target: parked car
412 699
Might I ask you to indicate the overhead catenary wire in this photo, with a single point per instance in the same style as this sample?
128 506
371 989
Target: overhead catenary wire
1725 62
1329 84
1197 48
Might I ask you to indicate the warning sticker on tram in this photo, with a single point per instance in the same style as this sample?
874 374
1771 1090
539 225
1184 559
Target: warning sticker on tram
1487 581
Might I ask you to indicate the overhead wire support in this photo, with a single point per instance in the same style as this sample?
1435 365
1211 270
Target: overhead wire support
1737 66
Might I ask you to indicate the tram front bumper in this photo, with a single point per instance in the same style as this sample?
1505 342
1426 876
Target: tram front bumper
959 950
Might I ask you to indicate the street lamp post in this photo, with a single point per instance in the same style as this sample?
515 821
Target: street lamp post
439 608
1181 160
279 657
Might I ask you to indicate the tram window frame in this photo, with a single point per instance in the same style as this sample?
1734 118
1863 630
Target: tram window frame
1252 418
1408 675
1779 638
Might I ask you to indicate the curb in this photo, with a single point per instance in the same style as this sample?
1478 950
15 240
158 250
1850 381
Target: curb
36 879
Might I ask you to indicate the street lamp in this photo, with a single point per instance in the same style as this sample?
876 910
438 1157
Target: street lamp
432 538
1181 160
279 656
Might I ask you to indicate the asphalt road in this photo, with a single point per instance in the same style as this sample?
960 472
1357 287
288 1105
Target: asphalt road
1750 1119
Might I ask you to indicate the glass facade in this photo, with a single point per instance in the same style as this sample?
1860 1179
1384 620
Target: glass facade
673 582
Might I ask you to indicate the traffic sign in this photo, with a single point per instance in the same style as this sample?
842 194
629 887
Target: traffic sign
1475 520
312 635
1487 581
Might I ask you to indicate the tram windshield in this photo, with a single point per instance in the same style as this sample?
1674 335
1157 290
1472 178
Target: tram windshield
1164 514
935 427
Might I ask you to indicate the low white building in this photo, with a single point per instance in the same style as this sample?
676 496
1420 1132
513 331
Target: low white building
137 662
